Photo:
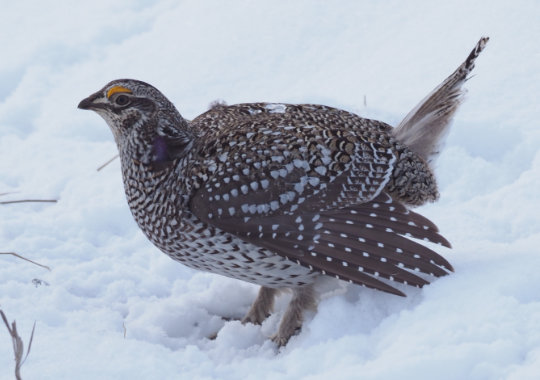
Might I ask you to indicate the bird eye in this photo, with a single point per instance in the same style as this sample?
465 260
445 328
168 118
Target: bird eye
122 100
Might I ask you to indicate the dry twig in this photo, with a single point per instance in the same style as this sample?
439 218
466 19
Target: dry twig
18 345
107 163
24 258
26 200
29 201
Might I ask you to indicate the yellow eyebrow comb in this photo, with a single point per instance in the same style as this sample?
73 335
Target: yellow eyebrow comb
117 89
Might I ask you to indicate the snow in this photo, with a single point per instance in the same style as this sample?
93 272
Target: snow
116 308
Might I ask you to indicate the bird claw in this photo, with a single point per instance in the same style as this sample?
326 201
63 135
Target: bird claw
281 339
255 318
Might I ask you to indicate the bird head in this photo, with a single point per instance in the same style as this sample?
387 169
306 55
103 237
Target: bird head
143 121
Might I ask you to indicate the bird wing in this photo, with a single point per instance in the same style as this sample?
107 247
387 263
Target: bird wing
315 196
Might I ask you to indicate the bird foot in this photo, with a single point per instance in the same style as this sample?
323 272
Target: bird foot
262 306
281 338
255 318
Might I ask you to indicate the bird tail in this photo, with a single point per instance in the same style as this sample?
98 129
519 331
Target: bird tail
424 128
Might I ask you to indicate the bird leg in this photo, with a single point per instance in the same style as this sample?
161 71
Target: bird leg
304 298
261 307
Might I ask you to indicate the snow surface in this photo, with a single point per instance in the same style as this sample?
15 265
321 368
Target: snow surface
116 308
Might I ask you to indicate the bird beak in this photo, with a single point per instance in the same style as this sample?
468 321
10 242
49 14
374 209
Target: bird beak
88 103
85 104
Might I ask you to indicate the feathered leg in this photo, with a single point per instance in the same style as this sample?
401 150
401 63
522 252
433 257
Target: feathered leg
304 298
261 307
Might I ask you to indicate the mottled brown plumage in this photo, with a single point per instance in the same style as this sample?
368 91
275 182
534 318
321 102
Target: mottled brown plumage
280 194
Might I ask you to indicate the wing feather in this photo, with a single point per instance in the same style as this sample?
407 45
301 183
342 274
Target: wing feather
318 200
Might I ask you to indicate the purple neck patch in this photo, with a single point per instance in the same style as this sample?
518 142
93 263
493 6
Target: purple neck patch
159 150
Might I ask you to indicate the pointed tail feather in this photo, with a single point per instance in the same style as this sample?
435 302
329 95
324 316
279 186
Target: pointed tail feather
424 128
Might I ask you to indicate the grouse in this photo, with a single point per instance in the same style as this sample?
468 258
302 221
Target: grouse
281 195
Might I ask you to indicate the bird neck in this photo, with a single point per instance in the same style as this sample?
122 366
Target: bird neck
149 172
